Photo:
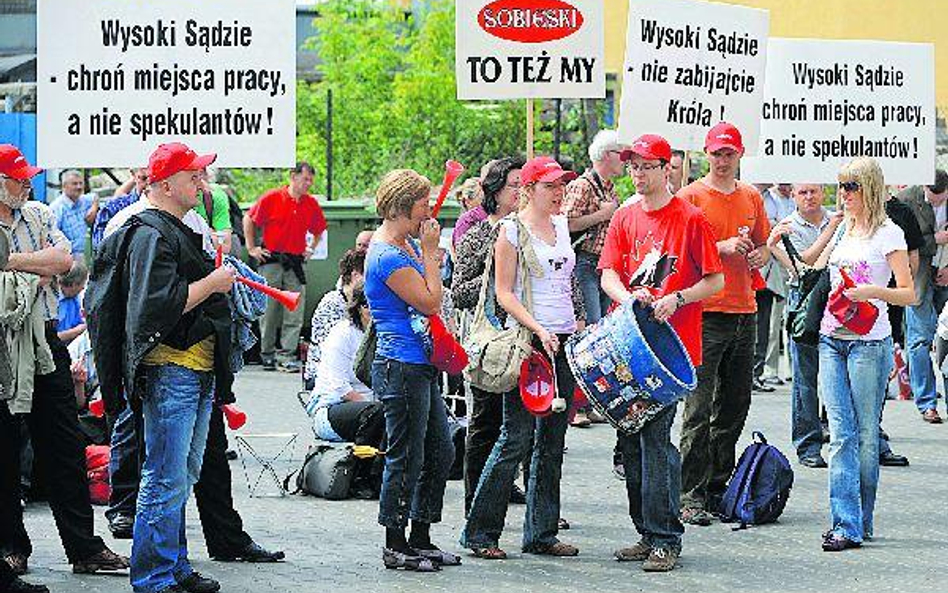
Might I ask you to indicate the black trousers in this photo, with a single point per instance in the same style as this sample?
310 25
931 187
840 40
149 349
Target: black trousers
765 304
58 447
223 528
361 422
483 428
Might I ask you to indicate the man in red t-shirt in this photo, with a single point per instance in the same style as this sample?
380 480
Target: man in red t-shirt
715 413
659 250
285 215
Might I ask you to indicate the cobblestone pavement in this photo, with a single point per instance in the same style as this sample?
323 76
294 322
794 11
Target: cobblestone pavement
336 546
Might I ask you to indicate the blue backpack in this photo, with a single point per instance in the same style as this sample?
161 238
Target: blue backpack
759 487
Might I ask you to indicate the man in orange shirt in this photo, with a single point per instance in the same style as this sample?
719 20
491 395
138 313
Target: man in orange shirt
715 413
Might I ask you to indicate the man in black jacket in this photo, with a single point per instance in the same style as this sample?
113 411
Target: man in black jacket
161 324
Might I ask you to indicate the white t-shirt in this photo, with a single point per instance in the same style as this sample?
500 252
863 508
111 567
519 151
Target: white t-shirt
865 261
336 376
552 292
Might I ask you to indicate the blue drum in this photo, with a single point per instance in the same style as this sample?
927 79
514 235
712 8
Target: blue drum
630 366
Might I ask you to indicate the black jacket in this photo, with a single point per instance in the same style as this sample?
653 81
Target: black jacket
135 299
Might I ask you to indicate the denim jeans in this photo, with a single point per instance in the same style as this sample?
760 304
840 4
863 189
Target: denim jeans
715 413
483 428
420 452
653 481
594 297
853 377
124 464
920 323
176 411
485 519
805 428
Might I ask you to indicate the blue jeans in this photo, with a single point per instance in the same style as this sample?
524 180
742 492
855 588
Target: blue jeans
853 377
594 297
806 431
485 520
920 322
420 452
653 481
123 468
176 410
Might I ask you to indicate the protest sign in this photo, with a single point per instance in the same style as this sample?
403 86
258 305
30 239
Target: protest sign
115 79
523 49
690 65
826 102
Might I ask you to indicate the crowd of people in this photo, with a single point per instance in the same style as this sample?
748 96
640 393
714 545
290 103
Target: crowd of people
157 330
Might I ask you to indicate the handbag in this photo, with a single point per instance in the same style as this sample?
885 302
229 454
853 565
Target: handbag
805 317
327 472
365 355
858 318
496 353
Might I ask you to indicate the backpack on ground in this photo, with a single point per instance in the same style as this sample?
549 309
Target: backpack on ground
327 471
759 487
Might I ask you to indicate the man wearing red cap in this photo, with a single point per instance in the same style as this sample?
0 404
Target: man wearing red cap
165 342
44 398
714 415
659 250
284 215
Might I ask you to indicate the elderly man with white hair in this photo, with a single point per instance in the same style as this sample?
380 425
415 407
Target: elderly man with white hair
75 211
591 200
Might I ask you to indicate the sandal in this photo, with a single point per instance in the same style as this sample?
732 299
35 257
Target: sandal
562 524
440 557
558 549
490 553
393 559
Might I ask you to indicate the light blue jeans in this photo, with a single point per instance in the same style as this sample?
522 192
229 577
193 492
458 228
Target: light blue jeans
594 297
176 409
853 377
920 323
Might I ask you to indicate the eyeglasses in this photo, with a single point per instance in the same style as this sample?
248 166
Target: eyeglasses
644 168
850 186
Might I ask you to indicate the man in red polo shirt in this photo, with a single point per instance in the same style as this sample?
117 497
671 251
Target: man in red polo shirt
285 215
659 250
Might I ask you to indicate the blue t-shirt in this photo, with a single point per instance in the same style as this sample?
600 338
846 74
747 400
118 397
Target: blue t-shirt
392 316
69 313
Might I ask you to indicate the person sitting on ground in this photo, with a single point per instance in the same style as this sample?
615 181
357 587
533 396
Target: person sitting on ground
71 284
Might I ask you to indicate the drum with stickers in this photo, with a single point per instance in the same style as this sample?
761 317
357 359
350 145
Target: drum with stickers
630 366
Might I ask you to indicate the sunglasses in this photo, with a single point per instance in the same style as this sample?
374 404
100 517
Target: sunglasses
850 186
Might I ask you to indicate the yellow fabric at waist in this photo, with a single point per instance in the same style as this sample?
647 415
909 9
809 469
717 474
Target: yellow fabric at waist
199 357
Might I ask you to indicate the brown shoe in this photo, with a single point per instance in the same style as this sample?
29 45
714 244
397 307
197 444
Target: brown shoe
931 416
557 549
696 516
103 561
660 560
18 563
636 553
581 420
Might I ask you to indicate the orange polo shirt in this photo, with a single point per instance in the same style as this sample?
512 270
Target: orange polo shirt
728 214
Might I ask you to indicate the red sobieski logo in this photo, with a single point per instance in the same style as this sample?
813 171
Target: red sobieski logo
530 21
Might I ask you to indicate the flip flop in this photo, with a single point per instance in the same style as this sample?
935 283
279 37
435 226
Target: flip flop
393 560
440 557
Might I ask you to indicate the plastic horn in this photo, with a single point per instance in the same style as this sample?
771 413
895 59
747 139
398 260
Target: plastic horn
234 415
97 407
451 171
287 298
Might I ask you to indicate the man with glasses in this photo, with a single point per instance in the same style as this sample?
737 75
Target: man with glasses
930 207
44 397
591 200
714 415
661 251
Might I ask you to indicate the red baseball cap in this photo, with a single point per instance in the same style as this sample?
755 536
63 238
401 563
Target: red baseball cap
723 135
648 146
14 165
537 386
175 157
544 169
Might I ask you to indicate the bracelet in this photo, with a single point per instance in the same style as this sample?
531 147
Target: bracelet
680 300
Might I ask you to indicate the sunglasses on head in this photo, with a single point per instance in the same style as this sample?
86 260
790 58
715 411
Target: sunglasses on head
850 185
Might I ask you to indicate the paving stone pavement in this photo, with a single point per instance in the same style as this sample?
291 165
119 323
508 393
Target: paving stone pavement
336 546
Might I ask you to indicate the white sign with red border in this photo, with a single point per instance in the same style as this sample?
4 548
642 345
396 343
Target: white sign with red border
523 49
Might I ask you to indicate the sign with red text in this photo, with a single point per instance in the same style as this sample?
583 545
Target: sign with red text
520 49
827 102
690 65
117 78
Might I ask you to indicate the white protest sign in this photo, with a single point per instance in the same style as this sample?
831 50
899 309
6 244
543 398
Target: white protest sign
521 49
117 78
690 65
826 102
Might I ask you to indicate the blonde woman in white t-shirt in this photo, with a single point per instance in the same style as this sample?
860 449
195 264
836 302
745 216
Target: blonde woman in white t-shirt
553 318
854 361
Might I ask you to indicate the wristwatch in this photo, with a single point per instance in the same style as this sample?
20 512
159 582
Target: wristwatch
680 299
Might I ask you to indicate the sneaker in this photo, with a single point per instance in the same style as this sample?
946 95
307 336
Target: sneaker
121 526
269 364
290 366
762 387
636 553
931 416
581 420
837 543
813 461
198 583
104 561
595 417
517 495
660 560
890 459
775 381
18 585
696 516
618 470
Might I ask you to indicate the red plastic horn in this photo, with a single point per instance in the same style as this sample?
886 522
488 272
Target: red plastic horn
97 407
287 298
234 415
451 171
